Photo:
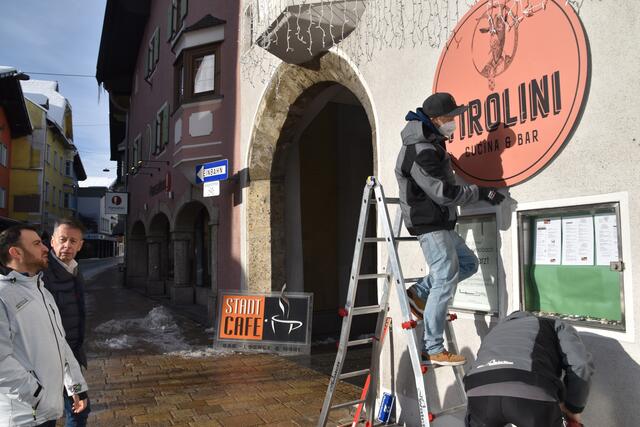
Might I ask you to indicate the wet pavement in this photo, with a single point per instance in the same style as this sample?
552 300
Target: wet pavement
149 365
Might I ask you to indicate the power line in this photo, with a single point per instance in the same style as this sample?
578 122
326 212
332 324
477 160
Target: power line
60 74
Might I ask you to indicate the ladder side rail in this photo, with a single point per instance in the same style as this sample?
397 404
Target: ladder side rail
458 371
398 279
346 321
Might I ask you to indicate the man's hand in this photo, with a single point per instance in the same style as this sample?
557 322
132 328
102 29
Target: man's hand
574 419
491 195
78 405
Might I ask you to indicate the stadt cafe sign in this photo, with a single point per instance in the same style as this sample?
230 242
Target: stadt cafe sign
521 67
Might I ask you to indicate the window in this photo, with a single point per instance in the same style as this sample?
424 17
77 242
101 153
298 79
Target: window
67 169
46 153
3 198
66 200
55 160
60 199
46 192
153 53
197 74
175 17
570 263
4 158
162 129
53 196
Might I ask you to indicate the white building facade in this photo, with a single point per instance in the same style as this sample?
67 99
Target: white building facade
552 93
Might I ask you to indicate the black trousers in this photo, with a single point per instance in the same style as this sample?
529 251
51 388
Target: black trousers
48 424
496 411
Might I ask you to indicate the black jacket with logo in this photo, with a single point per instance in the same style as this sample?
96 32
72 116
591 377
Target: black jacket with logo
536 351
68 292
428 192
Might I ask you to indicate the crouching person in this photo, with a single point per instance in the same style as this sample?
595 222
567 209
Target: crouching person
517 377
35 359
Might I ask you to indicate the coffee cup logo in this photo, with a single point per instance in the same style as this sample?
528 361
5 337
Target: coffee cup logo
521 67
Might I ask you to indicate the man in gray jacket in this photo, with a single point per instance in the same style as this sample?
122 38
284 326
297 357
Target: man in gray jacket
517 377
35 360
429 195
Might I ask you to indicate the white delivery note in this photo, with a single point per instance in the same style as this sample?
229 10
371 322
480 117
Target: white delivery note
548 241
606 239
577 240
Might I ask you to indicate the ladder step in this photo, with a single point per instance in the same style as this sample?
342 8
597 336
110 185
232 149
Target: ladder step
354 374
413 279
388 200
384 239
347 404
372 276
366 309
362 341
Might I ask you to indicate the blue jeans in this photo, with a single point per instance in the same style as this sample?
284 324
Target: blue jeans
72 419
450 261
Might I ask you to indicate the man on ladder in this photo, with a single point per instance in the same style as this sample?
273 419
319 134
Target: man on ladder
428 197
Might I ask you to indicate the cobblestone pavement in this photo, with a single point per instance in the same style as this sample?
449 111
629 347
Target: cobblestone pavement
150 366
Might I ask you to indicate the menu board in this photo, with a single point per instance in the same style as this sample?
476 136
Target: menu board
480 291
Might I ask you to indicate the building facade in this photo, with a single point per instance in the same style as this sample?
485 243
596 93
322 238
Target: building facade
99 241
325 89
14 124
170 67
46 166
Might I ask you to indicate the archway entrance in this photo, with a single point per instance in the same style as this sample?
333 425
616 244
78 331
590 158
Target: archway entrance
160 255
137 256
312 149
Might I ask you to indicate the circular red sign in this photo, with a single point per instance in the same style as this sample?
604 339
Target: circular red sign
116 200
522 69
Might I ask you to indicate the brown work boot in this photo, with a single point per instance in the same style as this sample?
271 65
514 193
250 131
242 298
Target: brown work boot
416 303
444 358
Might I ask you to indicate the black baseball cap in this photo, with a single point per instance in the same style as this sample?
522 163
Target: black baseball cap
442 104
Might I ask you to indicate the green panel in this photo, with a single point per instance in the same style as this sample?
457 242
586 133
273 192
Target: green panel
592 291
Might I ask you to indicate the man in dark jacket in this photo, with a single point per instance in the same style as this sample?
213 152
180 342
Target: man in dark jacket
429 196
517 377
63 280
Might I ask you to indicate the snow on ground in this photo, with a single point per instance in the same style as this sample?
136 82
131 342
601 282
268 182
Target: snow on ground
158 329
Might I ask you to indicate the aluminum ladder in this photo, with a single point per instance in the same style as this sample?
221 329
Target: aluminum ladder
393 279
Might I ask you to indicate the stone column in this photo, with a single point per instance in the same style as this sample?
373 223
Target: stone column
155 284
212 303
182 290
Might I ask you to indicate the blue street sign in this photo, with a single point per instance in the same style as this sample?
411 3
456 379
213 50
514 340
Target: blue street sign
214 171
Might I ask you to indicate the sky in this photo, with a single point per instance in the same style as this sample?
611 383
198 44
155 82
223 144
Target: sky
63 36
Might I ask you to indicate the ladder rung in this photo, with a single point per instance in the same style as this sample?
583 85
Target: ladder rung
384 239
360 342
372 276
366 309
413 279
346 404
354 374
388 200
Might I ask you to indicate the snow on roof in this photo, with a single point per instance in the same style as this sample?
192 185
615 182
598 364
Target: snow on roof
7 71
36 89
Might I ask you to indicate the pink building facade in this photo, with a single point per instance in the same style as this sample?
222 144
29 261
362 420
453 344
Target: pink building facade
170 68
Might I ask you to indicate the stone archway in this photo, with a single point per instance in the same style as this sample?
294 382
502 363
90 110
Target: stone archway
282 108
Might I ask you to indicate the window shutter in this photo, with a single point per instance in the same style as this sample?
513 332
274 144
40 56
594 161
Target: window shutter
184 8
170 28
156 46
146 64
165 125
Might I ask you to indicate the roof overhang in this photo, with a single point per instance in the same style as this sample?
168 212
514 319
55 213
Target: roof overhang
322 25
12 100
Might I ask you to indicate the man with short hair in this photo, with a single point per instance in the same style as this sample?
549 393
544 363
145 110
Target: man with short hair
429 196
529 372
66 284
35 359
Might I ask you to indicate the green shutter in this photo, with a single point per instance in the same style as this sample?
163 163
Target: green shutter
170 28
156 46
165 125
183 9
